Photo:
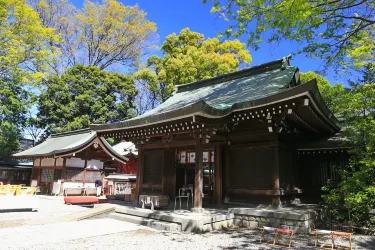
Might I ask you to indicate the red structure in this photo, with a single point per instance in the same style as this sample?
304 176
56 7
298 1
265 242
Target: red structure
130 167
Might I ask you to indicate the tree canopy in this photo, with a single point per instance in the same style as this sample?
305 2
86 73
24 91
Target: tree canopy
331 30
24 41
24 53
84 95
188 57
99 34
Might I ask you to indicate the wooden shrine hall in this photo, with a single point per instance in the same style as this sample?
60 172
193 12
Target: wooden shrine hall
250 122
75 159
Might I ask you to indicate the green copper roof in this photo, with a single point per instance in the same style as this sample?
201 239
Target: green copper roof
225 94
58 144
219 95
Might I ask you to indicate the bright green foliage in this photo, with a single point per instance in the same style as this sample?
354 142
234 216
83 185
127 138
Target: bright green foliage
331 30
23 41
188 57
354 106
14 102
24 55
356 192
334 96
100 34
84 95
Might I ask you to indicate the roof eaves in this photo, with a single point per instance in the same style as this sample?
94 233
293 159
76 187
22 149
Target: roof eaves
73 132
112 151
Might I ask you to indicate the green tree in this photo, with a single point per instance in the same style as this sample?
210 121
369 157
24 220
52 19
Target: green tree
189 57
101 35
14 103
331 30
84 95
334 96
356 192
24 54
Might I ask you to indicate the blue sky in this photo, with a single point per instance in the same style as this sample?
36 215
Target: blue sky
171 16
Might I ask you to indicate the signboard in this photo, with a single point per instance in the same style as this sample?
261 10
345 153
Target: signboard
183 157
34 183
191 156
205 157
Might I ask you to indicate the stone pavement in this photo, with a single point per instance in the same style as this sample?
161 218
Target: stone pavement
28 235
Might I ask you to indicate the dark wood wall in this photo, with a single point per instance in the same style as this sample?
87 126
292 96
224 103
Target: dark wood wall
287 170
251 168
248 172
169 173
317 167
153 162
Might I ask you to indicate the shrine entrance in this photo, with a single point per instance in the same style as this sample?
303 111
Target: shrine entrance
185 173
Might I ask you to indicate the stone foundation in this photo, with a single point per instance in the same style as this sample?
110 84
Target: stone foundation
300 221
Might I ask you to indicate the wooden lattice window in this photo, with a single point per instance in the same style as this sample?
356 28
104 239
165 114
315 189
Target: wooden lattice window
57 175
3 174
46 175
73 174
92 176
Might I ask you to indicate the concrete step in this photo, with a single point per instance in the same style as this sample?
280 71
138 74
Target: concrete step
82 215
155 224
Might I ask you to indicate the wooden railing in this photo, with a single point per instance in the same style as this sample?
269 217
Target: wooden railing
16 190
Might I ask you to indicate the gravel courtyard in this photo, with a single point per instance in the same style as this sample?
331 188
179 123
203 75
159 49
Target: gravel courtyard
103 233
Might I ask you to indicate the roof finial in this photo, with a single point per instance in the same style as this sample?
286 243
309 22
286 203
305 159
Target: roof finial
286 62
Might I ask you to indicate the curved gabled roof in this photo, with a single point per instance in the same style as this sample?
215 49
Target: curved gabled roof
217 96
67 143
60 143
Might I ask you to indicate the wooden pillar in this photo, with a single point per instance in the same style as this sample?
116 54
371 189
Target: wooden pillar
40 170
140 169
276 178
84 172
218 187
198 181
62 177
227 155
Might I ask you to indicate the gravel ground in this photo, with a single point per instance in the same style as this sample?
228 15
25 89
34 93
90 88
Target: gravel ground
152 239
230 239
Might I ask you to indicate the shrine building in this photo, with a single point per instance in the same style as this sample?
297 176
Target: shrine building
234 138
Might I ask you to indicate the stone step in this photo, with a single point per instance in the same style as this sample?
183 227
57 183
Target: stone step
189 221
155 224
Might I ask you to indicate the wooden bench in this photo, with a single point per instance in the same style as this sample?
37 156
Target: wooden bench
73 191
332 233
90 191
277 231
81 200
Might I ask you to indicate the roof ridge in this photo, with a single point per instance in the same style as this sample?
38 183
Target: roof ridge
258 69
72 132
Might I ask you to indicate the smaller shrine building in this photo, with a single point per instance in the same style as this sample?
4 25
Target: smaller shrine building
74 159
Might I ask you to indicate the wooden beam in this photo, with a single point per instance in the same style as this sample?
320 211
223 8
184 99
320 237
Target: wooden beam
198 181
169 145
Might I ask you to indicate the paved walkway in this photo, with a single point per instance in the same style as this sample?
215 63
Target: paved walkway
28 235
